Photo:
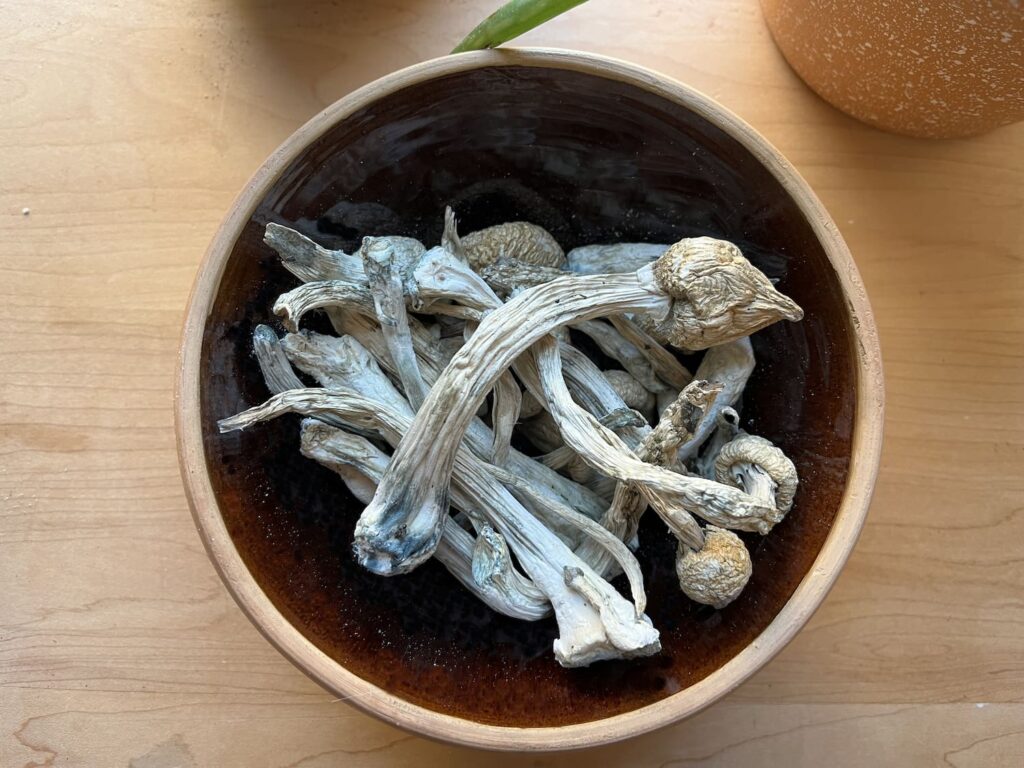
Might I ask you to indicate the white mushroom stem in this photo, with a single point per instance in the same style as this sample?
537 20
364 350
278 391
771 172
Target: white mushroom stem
597 534
594 621
730 366
616 257
507 399
293 305
623 351
383 268
311 262
662 361
483 566
401 526
279 377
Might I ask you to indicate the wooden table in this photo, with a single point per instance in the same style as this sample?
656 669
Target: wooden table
125 131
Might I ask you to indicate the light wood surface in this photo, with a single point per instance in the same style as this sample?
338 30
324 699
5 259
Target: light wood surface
126 129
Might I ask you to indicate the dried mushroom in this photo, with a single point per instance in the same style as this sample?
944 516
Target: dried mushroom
448 356
401 526
517 239
716 573
760 468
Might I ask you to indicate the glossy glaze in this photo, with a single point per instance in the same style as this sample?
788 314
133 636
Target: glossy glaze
592 160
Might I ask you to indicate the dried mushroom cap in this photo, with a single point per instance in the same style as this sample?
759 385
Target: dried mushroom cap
721 295
516 239
717 573
738 460
632 393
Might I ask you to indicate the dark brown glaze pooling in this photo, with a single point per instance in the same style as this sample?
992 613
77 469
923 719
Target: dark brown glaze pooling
593 160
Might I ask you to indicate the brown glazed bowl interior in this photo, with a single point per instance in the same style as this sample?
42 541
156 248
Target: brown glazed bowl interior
595 151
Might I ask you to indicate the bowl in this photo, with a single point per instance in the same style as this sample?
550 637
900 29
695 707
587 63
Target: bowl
595 150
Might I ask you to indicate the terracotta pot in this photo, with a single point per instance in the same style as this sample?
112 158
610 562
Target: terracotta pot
932 69
595 150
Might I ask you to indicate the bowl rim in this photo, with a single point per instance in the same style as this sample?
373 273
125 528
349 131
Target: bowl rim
809 594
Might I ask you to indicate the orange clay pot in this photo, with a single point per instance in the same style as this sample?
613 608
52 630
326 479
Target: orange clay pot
933 68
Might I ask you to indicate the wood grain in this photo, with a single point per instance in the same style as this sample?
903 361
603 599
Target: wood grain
127 129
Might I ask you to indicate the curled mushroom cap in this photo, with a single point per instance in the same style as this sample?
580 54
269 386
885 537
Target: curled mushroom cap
715 574
738 461
516 239
720 295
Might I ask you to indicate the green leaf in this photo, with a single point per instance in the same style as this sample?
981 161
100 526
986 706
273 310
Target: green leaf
511 20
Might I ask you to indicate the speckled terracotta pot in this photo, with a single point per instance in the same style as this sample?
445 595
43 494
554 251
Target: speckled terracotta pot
935 69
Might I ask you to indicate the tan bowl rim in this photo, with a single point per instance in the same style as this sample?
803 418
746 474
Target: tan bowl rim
333 676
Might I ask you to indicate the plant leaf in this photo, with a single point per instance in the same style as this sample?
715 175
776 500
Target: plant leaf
511 20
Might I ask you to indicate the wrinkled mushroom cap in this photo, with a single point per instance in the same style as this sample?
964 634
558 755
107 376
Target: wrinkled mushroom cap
717 573
719 295
518 240
764 454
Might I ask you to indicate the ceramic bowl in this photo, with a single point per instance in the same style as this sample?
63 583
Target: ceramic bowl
595 150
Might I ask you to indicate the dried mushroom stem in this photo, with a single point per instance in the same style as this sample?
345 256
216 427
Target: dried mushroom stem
729 365
594 621
483 565
623 351
595 533
664 364
616 257
383 265
279 377
401 526
311 262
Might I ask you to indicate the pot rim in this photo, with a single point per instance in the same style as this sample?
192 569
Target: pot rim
809 594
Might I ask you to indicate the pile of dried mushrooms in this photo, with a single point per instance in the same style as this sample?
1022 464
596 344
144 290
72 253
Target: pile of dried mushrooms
443 356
